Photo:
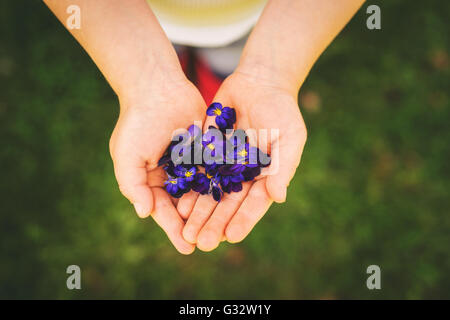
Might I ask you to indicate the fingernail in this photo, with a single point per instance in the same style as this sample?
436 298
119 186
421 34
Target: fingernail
188 235
140 210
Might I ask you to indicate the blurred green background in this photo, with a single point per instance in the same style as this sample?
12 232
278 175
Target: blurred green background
373 186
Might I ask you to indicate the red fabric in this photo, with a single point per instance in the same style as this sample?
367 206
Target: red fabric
207 82
183 57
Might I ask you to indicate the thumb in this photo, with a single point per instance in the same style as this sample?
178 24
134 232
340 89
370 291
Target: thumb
131 175
286 153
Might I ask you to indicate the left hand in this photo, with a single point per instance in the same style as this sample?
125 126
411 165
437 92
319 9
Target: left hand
259 105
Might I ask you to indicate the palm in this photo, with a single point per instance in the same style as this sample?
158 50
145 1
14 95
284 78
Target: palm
262 107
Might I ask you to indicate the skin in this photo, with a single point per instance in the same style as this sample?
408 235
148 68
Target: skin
128 45
237 213
138 142
263 90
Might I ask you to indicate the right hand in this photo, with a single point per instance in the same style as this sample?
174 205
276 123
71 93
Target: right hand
148 119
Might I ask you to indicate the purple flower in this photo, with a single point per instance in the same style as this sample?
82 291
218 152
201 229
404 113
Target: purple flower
238 137
225 116
194 131
186 173
214 140
208 142
176 186
242 162
217 193
212 169
241 153
231 169
245 155
208 182
201 183
251 173
232 183
170 168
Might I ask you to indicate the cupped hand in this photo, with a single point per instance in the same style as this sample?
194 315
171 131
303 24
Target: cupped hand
147 122
259 105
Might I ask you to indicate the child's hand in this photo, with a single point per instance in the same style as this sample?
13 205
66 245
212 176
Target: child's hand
132 51
147 121
259 105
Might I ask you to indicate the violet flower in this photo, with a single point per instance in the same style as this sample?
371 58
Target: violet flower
176 186
225 116
186 173
233 160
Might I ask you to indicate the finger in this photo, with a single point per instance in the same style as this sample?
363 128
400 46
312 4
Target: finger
131 175
213 231
156 177
286 153
167 217
186 204
174 201
249 213
202 210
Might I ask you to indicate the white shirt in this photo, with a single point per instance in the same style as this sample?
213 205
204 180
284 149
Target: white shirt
206 23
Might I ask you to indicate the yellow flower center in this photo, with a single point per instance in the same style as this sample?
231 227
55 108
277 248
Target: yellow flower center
208 176
188 174
173 181
218 112
242 153
210 146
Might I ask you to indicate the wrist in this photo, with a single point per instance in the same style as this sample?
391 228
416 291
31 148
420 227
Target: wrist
268 75
153 82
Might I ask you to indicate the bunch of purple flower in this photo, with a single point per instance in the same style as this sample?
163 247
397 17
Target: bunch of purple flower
213 162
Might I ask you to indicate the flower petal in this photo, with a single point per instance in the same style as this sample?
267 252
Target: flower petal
213 106
194 131
251 173
217 193
228 113
179 170
222 123
237 178
171 188
236 187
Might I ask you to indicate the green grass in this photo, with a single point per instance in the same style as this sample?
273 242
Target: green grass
373 186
